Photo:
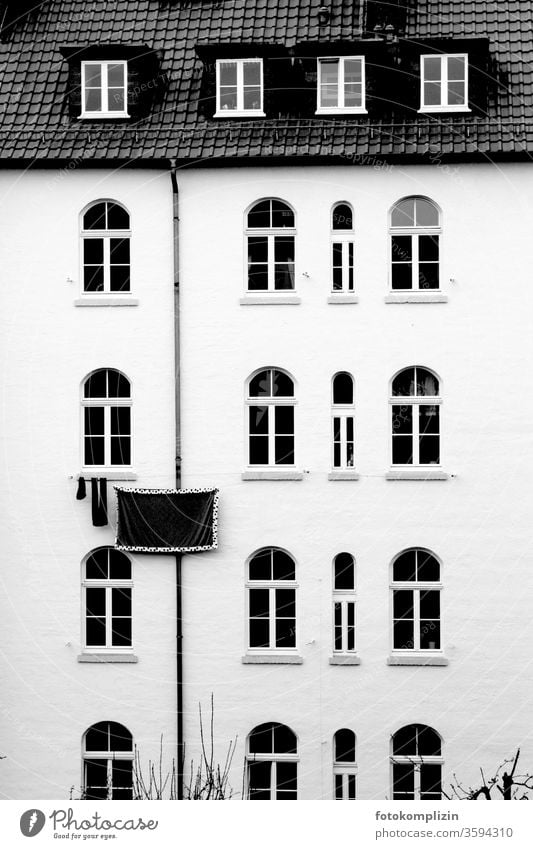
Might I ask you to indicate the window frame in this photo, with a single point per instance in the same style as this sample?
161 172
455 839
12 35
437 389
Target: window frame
416 587
106 236
107 404
443 81
341 109
416 762
104 76
344 597
345 413
273 758
272 586
271 234
346 239
109 584
414 233
346 770
415 402
271 402
240 111
108 755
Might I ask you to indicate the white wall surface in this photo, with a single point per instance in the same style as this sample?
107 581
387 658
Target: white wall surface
478 522
48 346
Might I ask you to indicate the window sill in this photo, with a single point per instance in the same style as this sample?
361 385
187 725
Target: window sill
110 474
417 660
107 658
244 113
421 474
254 300
339 110
343 299
99 116
273 475
272 658
416 298
344 660
433 109
343 476
105 301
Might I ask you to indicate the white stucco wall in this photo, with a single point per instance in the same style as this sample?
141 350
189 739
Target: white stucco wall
478 522
48 347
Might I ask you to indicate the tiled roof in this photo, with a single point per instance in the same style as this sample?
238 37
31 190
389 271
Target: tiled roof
35 123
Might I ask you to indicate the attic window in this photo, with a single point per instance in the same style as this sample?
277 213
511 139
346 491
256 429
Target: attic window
239 87
104 89
444 83
341 84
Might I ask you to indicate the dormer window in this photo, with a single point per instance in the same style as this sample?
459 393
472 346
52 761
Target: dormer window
239 87
444 83
104 90
341 84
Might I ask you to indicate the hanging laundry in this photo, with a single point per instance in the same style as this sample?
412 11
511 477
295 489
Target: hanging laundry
82 489
99 501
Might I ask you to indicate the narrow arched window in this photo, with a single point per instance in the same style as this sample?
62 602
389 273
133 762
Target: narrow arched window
108 762
342 249
416 763
415 402
343 421
272 761
271 588
270 401
107 588
415 231
105 238
344 765
416 589
344 642
106 404
270 238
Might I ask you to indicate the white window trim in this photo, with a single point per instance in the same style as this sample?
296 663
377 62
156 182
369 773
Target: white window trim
344 770
104 111
106 403
240 111
106 236
345 239
415 233
416 762
444 107
271 234
271 403
343 413
274 759
347 110
109 757
416 587
272 586
415 401
109 584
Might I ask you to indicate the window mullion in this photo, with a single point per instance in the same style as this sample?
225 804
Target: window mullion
415 255
272 617
271 259
240 87
107 435
417 781
109 778
107 263
105 98
340 95
416 615
274 781
271 435
416 433
108 617
444 78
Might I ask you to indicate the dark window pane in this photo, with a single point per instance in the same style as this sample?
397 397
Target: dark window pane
259 451
337 459
285 633
282 215
94 218
430 604
120 566
121 628
426 383
344 572
403 777
258 417
96 778
284 420
283 566
94 451
94 421
93 100
96 567
404 383
284 276
119 386
338 787
405 741
259 603
115 100
95 385
403 214
259 634
345 746
120 738
261 385
429 635
259 779
284 249
93 251
404 634
284 740
96 739
402 249
259 215
402 450
428 275
119 278
404 568
258 249
343 388
117 217
252 97
261 566
120 421
430 781
429 450
428 567
95 632
122 773
284 450
428 742
120 451
121 601
402 276
93 278
342 217
428 248
261 740
286 776
402 420
282 385
403 604
95 599
285 603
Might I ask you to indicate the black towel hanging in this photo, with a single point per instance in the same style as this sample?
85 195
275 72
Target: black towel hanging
99 501
82 489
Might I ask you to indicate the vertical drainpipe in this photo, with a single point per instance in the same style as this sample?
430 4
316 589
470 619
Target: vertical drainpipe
179 618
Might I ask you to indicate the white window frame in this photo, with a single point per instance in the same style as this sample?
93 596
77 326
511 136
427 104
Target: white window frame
415 402
104 112
341 108
416 587
109 585
108 756
345 769
271 403
271 586
344 412
105 236
444 106
344 598
240 111
414 234
107 404
416 761
273 758
271 234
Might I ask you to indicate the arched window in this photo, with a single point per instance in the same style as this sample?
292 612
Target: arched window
343 421
415 418
271 588
105 237
271 418
416 763
416 586
272 758
414 230
271 245
342 249
108 762
107 589
344 642
344 765
106 406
